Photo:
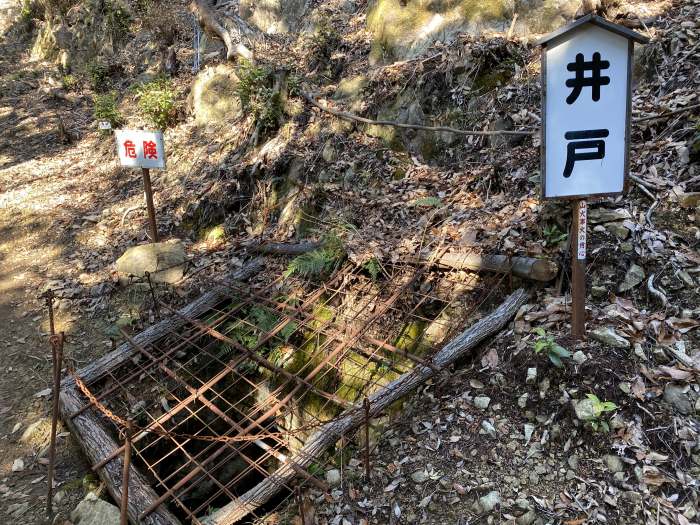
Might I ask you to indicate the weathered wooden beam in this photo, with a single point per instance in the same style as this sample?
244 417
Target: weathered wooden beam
89 430
349 420
543 270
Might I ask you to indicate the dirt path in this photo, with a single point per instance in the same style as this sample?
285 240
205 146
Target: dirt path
47 205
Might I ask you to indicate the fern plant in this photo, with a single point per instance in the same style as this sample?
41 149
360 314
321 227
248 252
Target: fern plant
373 267
321 261
428 202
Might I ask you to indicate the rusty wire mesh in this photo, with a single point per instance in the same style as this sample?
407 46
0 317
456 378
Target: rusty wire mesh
221 401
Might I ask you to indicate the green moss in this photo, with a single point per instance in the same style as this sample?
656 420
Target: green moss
216 233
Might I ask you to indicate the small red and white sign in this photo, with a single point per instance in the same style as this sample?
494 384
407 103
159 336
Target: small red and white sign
582 223
140 149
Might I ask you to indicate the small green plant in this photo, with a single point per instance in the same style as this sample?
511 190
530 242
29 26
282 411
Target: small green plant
428 202
106 109
98 73
257 96
70 82
599 409
116 18
325 39
373 267
321 261
157 101
27 12
553 235
554 351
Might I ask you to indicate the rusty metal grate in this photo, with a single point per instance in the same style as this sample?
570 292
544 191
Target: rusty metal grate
220 402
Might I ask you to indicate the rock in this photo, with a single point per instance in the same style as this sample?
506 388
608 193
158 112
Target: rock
689 200
490 501
676 396
329 153
522 400
274 16
419 476
333 477
95 511
18 465
634 276
602 215
608 336
531 375
614 463
599 292
579 357
351 88
618 230
572 461
164 260
488 428
213 98
38 434
583 408
482 402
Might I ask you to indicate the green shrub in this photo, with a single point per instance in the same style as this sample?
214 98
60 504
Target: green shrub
255 92
157 101
70 82
98 73
106 109
116 18
325 39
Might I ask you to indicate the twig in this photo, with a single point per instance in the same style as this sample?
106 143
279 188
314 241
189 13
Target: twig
363 120
129 211
656 293
650 211
667 114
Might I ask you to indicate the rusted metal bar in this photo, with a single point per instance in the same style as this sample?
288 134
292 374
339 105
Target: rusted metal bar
57 359
124 517
267 448
49 295
367 467
153 293
148 191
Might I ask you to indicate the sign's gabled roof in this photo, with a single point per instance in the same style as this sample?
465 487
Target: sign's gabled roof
598 21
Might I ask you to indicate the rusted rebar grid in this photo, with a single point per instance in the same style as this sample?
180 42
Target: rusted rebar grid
229 396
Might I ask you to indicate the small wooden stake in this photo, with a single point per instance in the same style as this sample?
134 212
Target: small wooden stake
149 204
125 475
578 268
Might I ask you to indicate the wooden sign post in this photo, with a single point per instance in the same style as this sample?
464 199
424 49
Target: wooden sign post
586 83
145 150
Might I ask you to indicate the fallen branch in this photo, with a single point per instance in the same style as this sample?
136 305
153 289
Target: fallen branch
328 434
543 270
363 120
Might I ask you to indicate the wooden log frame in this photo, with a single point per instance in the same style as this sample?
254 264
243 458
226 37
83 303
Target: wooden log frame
542 270
351 419
89 429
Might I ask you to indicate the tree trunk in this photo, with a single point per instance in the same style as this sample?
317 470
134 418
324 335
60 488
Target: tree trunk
232 29
351 419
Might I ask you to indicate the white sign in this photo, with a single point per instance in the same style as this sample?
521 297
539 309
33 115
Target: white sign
587 93
140 149
582 223
105 124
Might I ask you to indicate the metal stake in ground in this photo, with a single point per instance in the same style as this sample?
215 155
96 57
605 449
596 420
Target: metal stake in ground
57 358
148 189
125 474
578 268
